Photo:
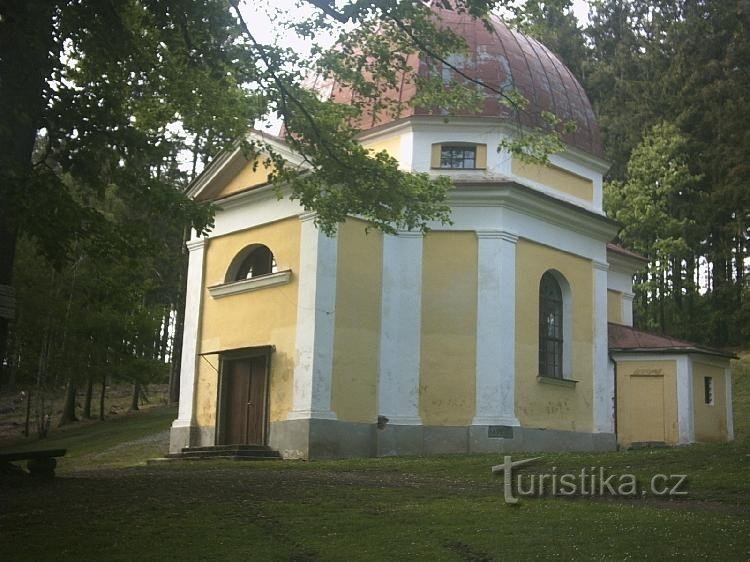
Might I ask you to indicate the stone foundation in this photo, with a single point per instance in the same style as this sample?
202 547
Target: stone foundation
332 439
329 439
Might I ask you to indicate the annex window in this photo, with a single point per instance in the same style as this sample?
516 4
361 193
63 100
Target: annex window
459 156
708 390
551 332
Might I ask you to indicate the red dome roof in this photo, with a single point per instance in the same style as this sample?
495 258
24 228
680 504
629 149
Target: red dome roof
503 59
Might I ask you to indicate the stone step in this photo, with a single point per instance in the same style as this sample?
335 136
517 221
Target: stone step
239 454
233 452
214 448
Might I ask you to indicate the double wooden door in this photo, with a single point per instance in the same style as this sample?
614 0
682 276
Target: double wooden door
244 383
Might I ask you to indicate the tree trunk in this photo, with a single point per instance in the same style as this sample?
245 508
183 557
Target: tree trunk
12 367
89 395
135 397
164 343
101 396
179 326
69 407
28 415
662 319
27 45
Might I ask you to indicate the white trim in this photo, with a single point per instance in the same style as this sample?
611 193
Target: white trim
624 356
730 406
566 383
400 328
603 383
532 203
629 265
708 359
496 326
627 308
253 208
385 130
252 284
567 311
685 401
500 126
531 216
316 321
191 333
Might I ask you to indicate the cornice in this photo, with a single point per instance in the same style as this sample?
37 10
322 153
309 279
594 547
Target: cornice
525 200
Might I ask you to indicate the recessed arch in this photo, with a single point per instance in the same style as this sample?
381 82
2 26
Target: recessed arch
252 261
555 325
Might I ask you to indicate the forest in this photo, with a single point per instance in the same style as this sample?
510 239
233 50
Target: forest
93 167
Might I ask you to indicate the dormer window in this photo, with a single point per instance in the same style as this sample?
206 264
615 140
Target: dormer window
452 156
459 156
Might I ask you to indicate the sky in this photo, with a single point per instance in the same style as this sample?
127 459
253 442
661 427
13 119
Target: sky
260 18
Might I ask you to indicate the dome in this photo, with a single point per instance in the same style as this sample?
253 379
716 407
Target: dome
503 59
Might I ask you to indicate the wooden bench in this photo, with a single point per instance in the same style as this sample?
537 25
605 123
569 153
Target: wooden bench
41 464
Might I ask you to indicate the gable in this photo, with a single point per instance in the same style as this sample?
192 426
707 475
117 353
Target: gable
253 174
232 172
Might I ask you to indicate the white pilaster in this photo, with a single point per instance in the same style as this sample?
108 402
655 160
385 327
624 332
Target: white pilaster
604 383
685 404
496 329
400 328
191 332
730 408
316 320
627 308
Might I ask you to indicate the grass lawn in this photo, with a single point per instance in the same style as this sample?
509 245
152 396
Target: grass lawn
106 504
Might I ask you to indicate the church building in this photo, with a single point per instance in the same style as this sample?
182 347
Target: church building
508 330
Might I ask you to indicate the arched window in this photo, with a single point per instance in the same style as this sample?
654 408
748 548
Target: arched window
551 327
253 261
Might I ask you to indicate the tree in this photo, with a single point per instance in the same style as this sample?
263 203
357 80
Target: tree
684 63
554 25
107 94
656 204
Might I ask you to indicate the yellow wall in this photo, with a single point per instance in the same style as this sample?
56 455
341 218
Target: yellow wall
247 177
647 402
392 145
354 388
614 306
449 320
264 317
710 420
556 178
545 405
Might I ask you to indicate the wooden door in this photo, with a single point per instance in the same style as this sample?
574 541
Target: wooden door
244 391
640 409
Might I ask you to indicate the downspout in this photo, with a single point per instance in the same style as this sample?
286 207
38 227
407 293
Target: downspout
611 358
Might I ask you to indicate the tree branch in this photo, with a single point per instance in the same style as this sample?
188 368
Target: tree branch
326 6
453 67
283 90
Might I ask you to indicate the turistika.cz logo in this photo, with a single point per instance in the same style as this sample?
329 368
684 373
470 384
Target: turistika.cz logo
589 481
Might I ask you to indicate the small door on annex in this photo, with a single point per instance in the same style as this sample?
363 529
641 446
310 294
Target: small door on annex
243 401
646 406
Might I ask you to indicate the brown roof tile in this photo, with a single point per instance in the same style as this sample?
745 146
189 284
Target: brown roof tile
504 59
626 338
